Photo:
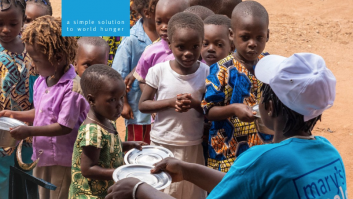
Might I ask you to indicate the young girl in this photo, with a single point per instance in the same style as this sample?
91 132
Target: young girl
138 125
15 70
98 149
59 107
179 120
37 8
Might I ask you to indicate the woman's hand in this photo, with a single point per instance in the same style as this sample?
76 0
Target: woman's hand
172 166
122 189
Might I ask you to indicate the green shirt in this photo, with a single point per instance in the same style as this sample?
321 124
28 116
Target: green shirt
111 156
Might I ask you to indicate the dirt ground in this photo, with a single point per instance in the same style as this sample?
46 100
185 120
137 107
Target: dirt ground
323 27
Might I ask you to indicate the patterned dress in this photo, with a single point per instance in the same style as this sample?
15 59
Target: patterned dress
15 70
111 156
230 82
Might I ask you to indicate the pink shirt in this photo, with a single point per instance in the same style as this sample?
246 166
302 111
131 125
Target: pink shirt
155 53
62 103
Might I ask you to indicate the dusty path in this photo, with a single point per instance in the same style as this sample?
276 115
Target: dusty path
324 27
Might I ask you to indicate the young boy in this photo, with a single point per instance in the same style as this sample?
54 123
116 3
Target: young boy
200 11
228 6
232 88
213 5
179 87
138 125
90 51
217 44
157 52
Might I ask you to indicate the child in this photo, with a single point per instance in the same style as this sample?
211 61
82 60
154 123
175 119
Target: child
90 51
227 7
200 11
213 5
138 125
217 43
232 87
59 107
157 52
98 150
37 8
15 70
179 120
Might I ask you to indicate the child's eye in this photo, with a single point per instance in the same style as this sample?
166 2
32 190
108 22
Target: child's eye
14 24
158 22
220 45
196 46
180 47
245 38
112 100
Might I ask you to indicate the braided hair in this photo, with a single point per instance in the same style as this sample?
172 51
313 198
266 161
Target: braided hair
44 3
6 4
45 32
294 122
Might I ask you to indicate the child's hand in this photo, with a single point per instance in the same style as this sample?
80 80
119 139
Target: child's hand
20 132
183 103
127 112
129 79
127 146
5 113
244 113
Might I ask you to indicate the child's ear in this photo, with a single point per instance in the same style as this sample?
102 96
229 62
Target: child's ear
231 34
91 100
146 13
59 57
268 35
75 65
270 108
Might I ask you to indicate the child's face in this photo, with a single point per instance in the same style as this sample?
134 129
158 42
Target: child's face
88 55
216 44
40 61
11 22
109 100
186 47
162 17
250 37
34 11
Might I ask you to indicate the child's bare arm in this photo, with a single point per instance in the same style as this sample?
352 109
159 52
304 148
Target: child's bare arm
25 116
242 111
89 165
55 129
148 105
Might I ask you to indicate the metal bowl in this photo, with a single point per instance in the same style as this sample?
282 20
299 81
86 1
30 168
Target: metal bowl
147 156
143 172
5 137
260 127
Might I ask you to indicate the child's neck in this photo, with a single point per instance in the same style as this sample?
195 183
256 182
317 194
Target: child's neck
249 65
150 29
15 46
93 117
178 68
51 81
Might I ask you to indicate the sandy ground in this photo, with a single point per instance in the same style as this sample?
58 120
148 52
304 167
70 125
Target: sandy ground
323 27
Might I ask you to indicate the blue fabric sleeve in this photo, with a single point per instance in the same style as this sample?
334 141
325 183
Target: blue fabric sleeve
123 57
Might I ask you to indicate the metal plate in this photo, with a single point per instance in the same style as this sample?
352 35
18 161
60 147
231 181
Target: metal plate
5 137
257 110
143 172
148 156
6 123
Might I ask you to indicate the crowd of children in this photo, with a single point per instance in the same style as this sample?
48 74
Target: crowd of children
186 64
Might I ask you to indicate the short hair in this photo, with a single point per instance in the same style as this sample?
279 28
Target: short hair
45 32
94 76
7 4
228 7
219 20
43 3
94 41
214 5
200 11
294 122
250 8
185 20
139 5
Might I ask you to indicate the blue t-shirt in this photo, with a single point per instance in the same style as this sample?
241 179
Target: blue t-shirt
126 58
293 168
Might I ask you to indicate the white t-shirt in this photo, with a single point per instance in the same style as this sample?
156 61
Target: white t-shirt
171 127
